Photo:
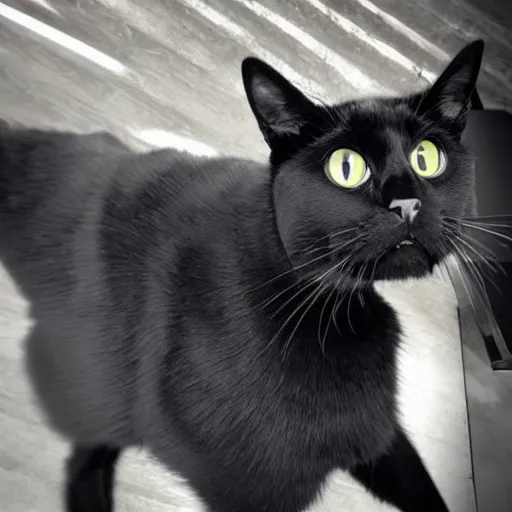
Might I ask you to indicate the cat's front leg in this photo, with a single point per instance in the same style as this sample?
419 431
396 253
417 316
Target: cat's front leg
90 479
400 478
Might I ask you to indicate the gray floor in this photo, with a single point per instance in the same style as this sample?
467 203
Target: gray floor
167 73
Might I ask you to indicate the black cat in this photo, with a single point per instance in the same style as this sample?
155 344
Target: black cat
222 313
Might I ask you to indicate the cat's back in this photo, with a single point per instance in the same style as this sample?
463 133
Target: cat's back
172 214
71 203
82 219
47 176
165 196
49 180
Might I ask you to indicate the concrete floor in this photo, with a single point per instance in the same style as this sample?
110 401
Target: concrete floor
167 73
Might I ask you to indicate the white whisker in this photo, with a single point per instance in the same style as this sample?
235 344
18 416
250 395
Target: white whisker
320 290
320 320
490 231
303 265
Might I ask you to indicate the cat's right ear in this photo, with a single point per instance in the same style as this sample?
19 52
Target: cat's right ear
279 107
451 95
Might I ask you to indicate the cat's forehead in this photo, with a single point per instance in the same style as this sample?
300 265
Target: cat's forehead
378 124
380 113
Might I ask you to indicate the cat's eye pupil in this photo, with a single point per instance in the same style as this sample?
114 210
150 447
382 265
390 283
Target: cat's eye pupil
345 167
422 163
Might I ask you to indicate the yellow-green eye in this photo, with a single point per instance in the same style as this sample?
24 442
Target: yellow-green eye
427 160
347 169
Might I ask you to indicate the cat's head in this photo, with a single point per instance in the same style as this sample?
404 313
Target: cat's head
365 190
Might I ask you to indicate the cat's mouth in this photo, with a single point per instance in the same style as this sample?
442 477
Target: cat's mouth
407 258
404 243
408 241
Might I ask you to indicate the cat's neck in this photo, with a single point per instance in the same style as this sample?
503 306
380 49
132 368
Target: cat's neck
275 274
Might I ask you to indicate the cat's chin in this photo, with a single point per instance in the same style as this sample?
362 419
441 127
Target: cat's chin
404 263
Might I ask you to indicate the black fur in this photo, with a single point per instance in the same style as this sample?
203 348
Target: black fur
190 305
90 474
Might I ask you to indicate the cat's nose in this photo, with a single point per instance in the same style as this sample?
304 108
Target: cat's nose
407 209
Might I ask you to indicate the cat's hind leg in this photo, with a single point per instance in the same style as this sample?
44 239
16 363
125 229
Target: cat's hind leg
90 479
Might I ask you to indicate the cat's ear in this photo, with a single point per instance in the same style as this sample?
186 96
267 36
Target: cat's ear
450 96
279 107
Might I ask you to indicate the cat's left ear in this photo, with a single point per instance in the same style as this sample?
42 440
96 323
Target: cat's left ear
450 96
279 107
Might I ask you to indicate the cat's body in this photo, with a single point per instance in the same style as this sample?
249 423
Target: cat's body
172 310
118 293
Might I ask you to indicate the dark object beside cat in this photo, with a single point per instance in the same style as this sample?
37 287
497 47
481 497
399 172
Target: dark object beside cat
488 133
222 313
